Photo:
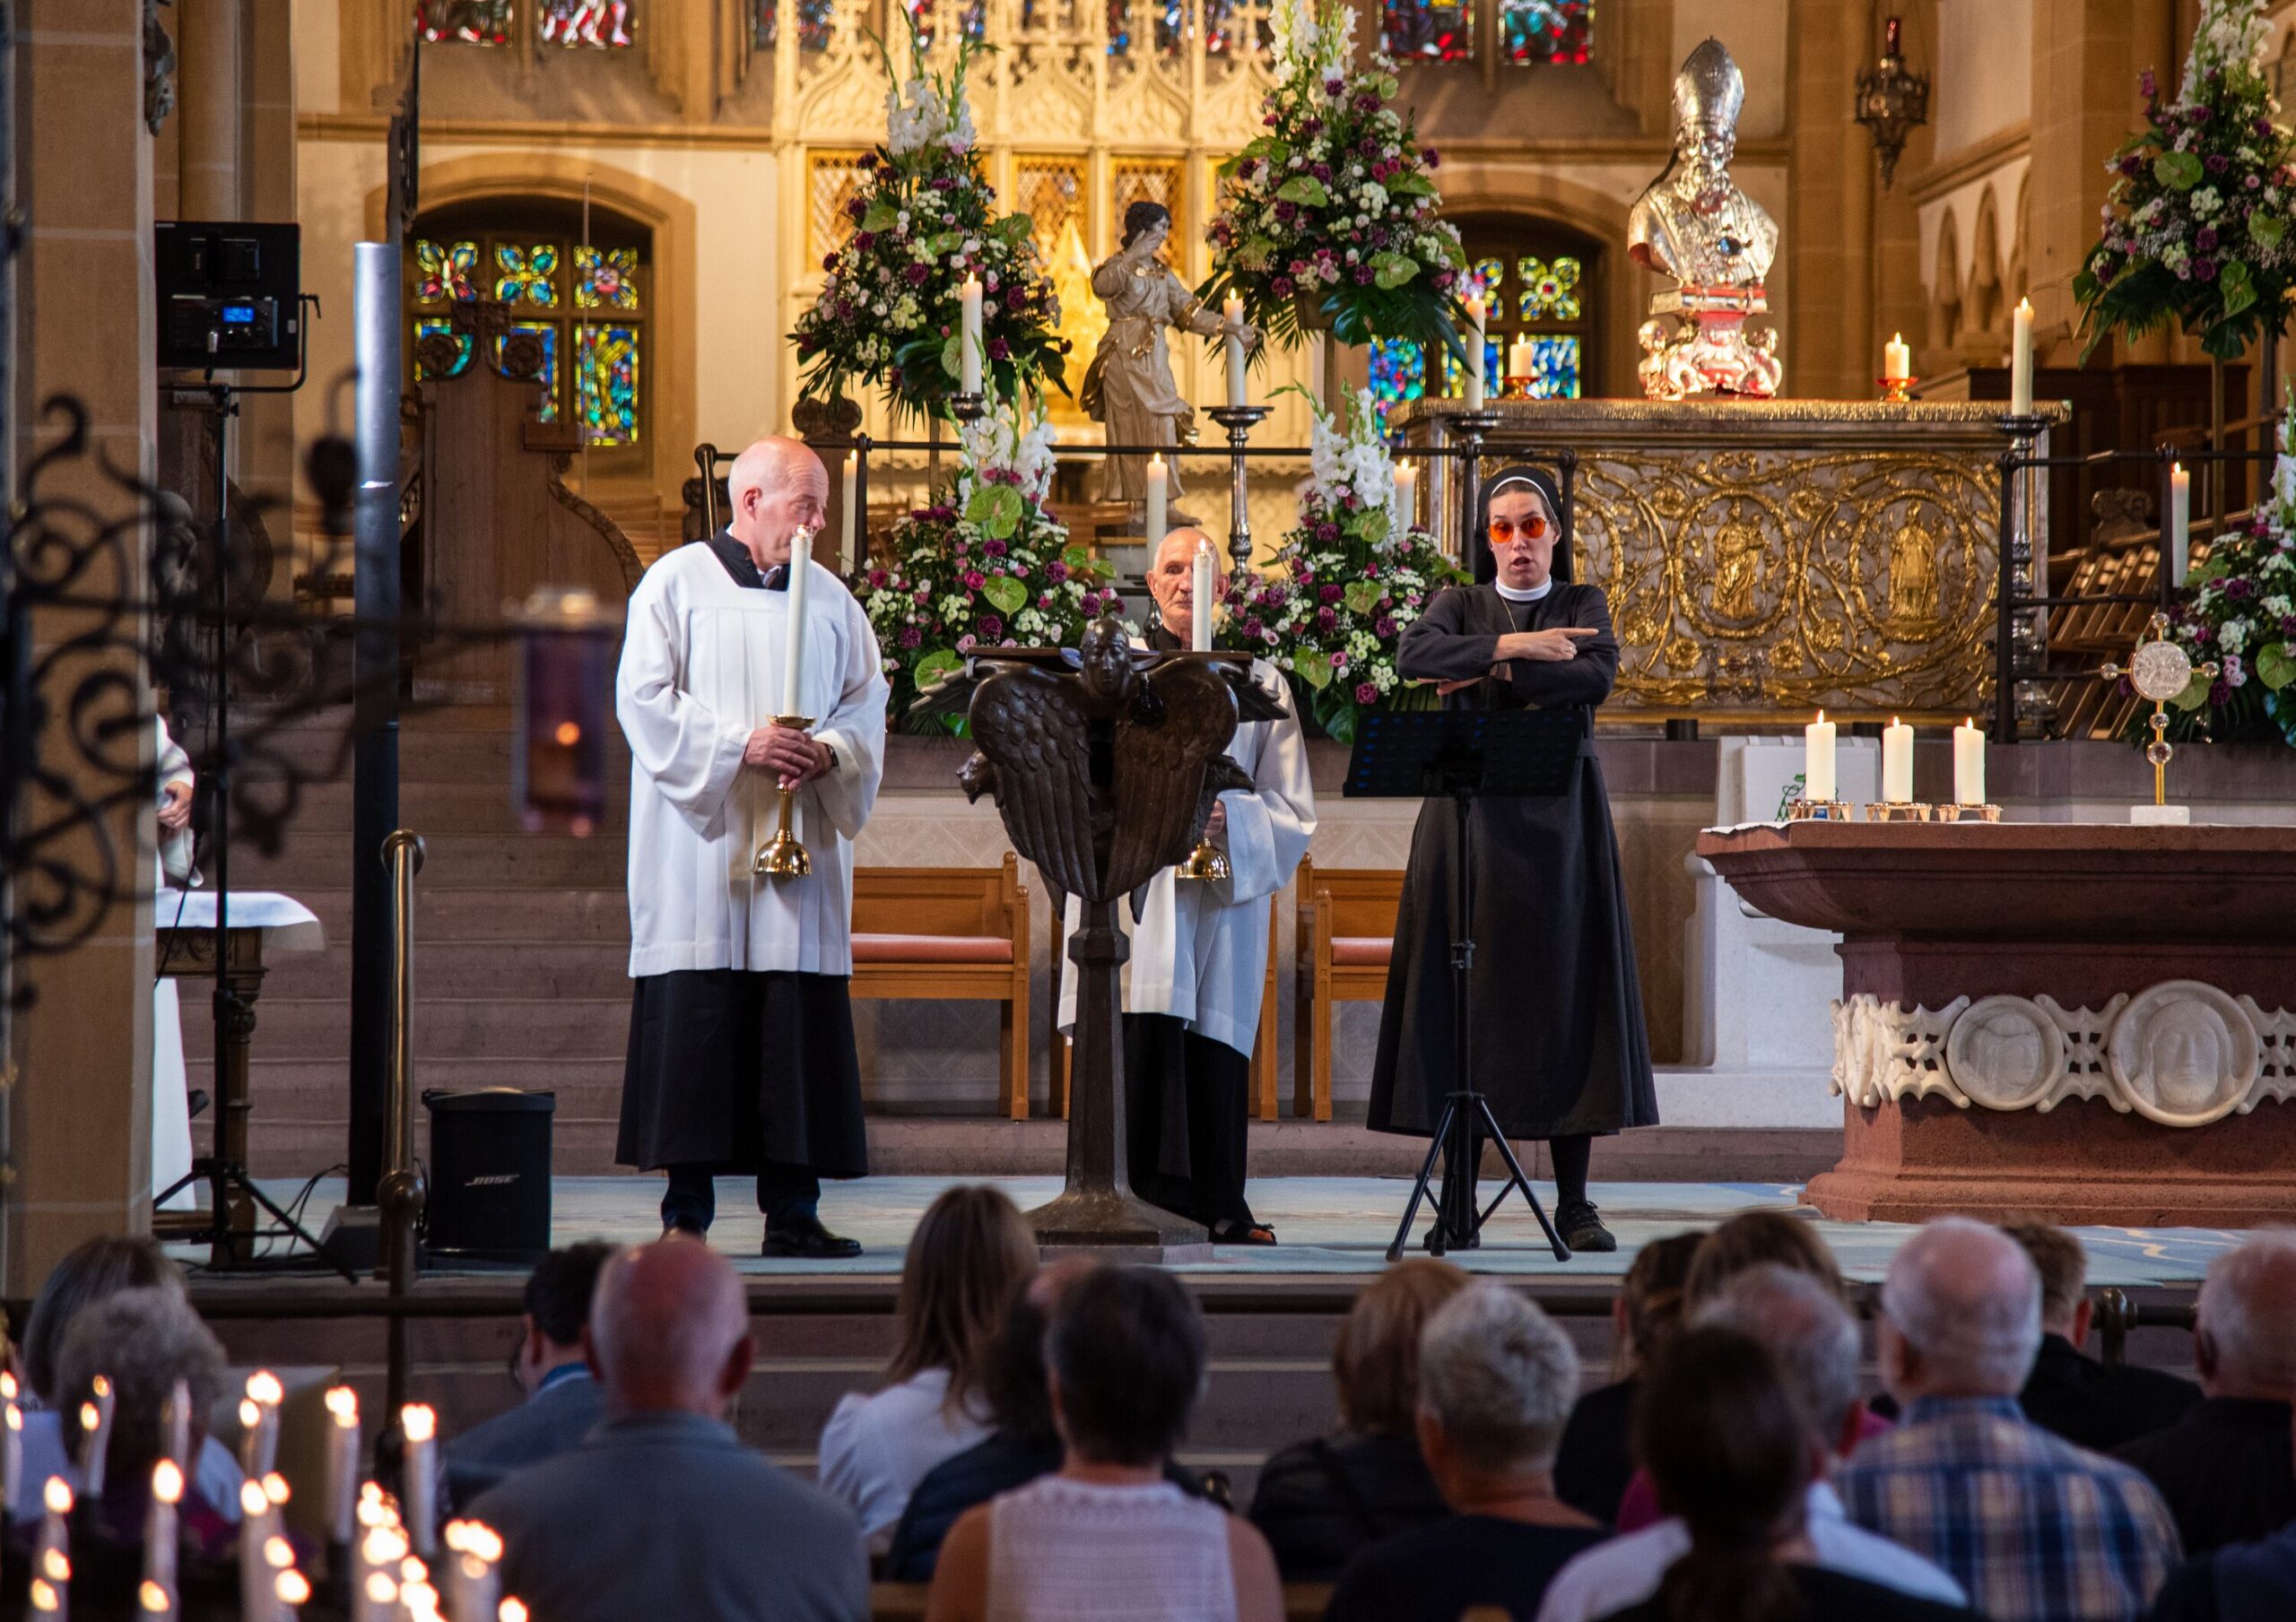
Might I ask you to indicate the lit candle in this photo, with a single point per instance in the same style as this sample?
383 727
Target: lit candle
257 1522
342 1465
1204 596
95 1438
1232 312
376 1595
1406 511
1521 357
1897 359
851 511
2021 360
260 1453
792 668
52 1548
511 1611
1897 763
1969 764
474 1585
1153 527
1818 760
179 1444
12 1446
968 340
379 1597
420 1425
2180 523
1477 315
159 1530
294 1591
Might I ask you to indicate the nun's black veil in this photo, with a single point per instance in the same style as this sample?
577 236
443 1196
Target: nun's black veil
1541 480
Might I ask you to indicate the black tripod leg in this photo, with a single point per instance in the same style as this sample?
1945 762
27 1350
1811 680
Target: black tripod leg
297 1230
1419 1188
1515 1179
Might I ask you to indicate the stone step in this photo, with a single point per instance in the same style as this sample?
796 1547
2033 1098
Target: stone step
480 805
568 914
464 1028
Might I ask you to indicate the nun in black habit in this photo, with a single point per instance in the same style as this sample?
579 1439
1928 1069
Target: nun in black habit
1558 1042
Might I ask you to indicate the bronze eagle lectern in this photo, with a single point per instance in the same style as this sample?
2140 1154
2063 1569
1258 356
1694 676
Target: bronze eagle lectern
1104 762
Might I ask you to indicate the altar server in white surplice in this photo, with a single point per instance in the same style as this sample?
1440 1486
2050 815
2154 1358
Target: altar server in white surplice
170 1083
1199 956
741 1034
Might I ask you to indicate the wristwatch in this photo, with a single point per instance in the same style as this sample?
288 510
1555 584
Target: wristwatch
831 748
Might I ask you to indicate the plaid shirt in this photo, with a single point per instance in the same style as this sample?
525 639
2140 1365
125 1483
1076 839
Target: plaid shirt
2036 1528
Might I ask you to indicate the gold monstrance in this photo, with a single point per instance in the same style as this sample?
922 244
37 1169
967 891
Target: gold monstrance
2160 669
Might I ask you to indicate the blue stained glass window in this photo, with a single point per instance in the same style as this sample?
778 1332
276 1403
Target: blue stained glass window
605 373
1171 24
973 18
1554 367
1455 381
547 331
1427 30
527 276
428 326
1545 31
813 22
1398 372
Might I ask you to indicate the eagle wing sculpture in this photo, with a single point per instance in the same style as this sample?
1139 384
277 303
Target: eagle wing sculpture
1035 757
1163 751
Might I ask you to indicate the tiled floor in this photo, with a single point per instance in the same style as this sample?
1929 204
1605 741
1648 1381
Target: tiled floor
1327 1224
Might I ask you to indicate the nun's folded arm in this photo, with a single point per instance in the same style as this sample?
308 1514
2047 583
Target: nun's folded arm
1585 679
1437 647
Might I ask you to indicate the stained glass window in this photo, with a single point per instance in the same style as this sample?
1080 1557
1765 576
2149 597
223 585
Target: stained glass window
1545 31
547 331
1547 291
1398 372
814 18
605 277
1537 284
443 270
973 15
526 274
1427 30
1454 380
429 326
463 21
1171 18
601 24
605 375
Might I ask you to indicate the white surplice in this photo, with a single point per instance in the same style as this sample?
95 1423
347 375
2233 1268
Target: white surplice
702 668
170 1082
1199 949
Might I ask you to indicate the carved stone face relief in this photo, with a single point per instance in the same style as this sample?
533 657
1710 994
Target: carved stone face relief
2184 1053
2005 1053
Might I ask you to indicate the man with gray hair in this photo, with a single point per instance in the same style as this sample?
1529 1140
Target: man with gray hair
1815 1341
2225 1466
144 1342
742 1057
2033 1528
1497 1378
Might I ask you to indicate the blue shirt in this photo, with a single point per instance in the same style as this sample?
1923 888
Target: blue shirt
2035 1528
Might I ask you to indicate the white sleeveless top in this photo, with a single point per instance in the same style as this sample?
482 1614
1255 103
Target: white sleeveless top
1071 1551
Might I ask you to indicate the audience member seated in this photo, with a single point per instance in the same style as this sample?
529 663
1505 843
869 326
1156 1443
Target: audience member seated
95 1271
2224 1467
661 1512
1814 1339
1107 1535
1320 1502
1594 1464
2097 1405
1732 1449
562 1403
1496 1381
1754 1238
2030 1525
969 1256
144 1342
1024 1444
2240 1583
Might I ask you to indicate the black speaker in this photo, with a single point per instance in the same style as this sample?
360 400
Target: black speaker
490 1174
229 294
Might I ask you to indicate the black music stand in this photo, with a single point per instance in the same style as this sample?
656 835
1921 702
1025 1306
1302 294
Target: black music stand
1460 754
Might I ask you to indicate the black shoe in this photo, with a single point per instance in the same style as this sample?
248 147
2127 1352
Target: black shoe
1581 1229
808 1241
1228 1231
684 1227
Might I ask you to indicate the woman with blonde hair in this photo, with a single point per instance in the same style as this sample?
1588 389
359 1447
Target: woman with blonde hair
971 1254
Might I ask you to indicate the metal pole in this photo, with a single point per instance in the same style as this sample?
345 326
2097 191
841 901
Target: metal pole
2004 592
400 1191
375 665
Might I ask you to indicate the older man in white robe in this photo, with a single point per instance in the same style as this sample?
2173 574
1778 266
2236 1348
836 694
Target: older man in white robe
1199 954
742 1058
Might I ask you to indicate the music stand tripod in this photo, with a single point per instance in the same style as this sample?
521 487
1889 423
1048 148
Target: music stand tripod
1459 755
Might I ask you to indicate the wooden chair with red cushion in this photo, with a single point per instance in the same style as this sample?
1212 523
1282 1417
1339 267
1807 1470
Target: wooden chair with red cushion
951 933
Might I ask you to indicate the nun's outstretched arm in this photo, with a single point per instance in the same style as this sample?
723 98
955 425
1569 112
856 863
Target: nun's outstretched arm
1586 679
1437 647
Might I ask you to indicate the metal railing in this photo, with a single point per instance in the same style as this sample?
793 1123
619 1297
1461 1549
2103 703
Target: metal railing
400 1193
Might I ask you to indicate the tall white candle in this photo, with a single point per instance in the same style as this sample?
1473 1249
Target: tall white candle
12 1446
95 1438
473 1583
1203 593
1406 511
1897 762
1969 764
178 1442
375 1596
260 1455
2180 523
417 1423
849 512
341 1500
2021 360
1477 313
159 1529
1818 760
1152 528
293 1591
258 1521
1231 313
793 666
52 1548
969 348
1897 359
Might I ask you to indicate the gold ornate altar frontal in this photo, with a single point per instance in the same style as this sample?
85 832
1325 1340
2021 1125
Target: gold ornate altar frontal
1766 558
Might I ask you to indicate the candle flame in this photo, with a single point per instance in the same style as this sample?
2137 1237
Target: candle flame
15 1418
451 1535
278 1553
483 1541
2024 306
250 1413
274 1488
294 1588
7 1385
100 1386
57 1496
419 1422
167 1481
380 1589
264 1386
91 1416
343 1402
1821 716
412 1570
57 1564
43 1596
511 1611
252 1499
153 1598
384 1546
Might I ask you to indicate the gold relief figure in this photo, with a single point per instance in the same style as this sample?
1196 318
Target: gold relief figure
1913 579
1737 569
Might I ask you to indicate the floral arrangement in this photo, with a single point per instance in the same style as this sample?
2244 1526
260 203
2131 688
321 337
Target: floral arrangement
924 218
1349 578
2240 610
1331 221
2197 218
984 566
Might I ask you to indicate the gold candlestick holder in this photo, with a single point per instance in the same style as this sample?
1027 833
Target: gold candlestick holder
1515 388
1818 811
1969 813
781 856
1896 391
2159 670
1898 810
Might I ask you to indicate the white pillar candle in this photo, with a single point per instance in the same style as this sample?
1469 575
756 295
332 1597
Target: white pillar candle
1477 315
52 1548
1969 764
792 668
849 520
293 1591
12 1447
256 1521
1818 760
2021 360
1204 595
178 1442
969 345
1897 359
473 1583
160 1529
375 1596
417 1423
1406 506
95 1438
341 1500
1521 357
1153 527
2179 524
260 1455
1231 313
1897 762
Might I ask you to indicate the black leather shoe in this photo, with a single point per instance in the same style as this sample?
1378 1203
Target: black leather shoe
1581 1229
684 1227
808 1241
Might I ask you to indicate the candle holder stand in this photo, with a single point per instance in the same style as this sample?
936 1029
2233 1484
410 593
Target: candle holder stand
782 857
1515 388
967 407
1239 421
1819 811
1896 391
1969 813
1898 810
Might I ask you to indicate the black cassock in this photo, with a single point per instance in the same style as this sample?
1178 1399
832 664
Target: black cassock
1554 1008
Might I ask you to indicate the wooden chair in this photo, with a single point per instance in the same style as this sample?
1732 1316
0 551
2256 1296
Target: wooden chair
1347 921
951 933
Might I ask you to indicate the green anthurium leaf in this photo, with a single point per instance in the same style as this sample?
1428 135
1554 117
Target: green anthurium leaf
881 217
949 357
2196 694
1391 271
936 665
995 511
1014 226
2276 666
2238 288
2179 171
1361 597
1411 186
1256 253
1305 190
1075 558
1372 527
1007 593
944 242
1313 667
1273 148
2267 230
